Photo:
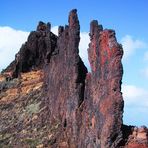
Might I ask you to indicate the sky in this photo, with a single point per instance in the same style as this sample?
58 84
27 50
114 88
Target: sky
129 18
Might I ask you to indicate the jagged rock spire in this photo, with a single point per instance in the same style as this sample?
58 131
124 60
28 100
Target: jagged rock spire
103 88
73 19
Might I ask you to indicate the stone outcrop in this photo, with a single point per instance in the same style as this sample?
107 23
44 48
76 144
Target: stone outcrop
103 98
49 99
134 137
35 52
66 73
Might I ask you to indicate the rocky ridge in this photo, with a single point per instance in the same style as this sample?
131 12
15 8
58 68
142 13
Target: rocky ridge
49 99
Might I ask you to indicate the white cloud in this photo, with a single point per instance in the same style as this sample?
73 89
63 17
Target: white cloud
145 72
146 56
83 46
135 95
130 45
136 105
54 29
10 42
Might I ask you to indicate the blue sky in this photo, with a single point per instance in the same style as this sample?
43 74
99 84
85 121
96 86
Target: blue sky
129 18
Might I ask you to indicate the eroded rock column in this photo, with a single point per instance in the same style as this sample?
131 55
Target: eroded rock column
66 81
103 106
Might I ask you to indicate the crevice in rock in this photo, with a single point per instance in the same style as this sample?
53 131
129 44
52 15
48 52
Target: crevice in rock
65 123
82 71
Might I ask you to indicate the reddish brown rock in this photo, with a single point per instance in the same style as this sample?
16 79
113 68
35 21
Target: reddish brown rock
103 105
66 81
48 98
134 137
96 119
35 52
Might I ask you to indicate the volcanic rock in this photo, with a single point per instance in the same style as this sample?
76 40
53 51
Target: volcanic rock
35 52
102 118
49 99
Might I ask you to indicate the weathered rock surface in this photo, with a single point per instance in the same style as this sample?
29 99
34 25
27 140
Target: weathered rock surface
66 73
35 52
103 103
134 137
49 99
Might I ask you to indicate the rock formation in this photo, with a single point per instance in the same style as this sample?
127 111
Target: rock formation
66 73
103 98
49 99
35 52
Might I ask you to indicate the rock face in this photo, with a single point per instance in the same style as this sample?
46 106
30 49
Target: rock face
102 117
49 99
35 52
66 73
